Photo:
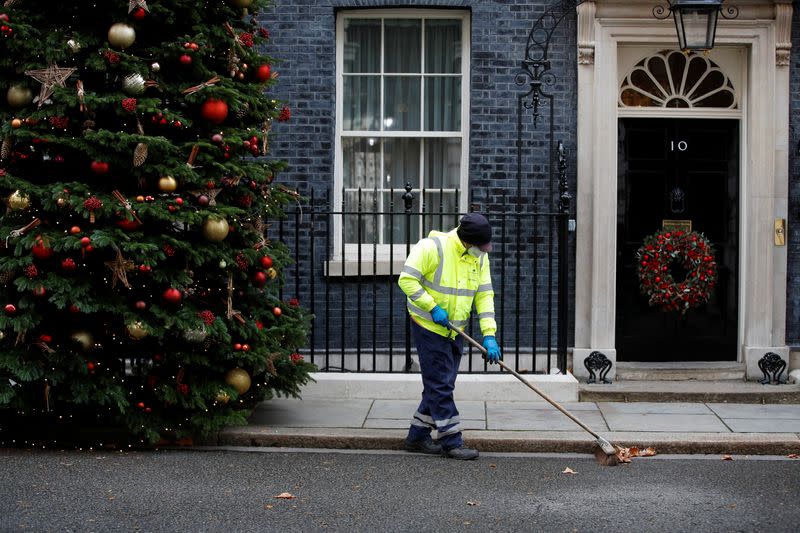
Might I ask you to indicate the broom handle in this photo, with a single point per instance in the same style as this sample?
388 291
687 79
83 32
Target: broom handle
547 398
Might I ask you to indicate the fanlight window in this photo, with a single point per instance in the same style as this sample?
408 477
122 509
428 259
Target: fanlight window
673 79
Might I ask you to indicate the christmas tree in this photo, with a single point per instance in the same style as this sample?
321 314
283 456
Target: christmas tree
140 290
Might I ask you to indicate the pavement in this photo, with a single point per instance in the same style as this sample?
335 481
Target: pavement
535 426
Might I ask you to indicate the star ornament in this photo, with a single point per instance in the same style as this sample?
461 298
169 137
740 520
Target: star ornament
133 4
49 78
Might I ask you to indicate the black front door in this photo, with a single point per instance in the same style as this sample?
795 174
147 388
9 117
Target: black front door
679 170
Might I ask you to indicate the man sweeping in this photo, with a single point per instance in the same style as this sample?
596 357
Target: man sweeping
443 276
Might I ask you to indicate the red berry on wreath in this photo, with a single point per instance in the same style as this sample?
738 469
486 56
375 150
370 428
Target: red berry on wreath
68 264
31 271
285 114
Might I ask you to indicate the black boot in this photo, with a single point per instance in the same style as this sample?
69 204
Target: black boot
461 452
422 446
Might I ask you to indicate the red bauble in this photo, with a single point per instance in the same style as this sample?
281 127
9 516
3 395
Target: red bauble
237 347
186 59
277 311
40 292
127 225
145 269
266 261
86 242
74 309
10 309
245 347
172 295
141 305
214 110
263 73
68 264
45 337
138 14
259 278
74 230
99 167
40 249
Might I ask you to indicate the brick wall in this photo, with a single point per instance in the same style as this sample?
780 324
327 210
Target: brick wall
303 38
793 274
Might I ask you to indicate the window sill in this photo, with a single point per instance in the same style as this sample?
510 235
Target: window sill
349 268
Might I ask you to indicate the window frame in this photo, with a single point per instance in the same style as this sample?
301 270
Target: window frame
348 252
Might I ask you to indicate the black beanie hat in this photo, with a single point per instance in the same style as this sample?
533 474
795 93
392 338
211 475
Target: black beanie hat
475 229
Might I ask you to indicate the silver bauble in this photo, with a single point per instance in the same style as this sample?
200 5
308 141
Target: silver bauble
155 67
196 335
74 46
133 84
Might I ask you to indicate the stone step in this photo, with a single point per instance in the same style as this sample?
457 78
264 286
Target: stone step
680 371
690 391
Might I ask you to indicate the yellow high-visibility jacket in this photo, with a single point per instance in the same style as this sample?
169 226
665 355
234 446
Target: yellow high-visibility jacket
440 271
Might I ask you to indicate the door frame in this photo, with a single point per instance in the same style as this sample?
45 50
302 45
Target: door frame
763 31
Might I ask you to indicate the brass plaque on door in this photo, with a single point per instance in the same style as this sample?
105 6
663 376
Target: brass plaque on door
677 225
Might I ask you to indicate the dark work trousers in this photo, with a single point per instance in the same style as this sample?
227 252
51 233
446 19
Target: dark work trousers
439 358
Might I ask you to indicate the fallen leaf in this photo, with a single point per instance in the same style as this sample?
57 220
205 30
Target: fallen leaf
568 470
267 506
634 451
473 503
648 452
492 465
793 456
623 454
727 457
285 496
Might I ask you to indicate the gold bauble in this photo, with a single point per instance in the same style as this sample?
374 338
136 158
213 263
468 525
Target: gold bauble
215 229
84 338
121 35
222 397
238 379
241 3
272 273
137 330
167 184
16 123
19 96
18 201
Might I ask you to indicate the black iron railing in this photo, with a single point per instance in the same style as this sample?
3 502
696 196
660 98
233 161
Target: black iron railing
345 272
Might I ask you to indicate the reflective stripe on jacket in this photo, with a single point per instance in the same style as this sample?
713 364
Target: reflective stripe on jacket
440 271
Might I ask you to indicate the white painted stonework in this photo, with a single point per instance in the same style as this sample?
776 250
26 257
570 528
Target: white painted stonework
481 387
753 49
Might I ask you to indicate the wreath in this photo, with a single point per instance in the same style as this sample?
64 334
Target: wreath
666 251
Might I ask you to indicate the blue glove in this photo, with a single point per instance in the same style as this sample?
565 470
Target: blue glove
492 349
439 316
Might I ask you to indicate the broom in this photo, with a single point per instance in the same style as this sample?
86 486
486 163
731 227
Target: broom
604 452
